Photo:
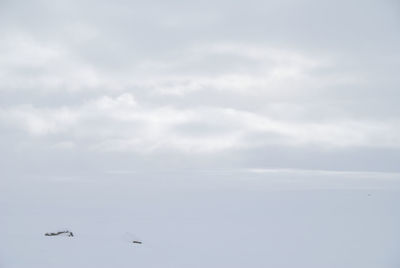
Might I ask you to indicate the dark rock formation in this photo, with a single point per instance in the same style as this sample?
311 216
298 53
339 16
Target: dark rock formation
68 233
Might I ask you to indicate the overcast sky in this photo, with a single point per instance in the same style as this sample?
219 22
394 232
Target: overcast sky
122 85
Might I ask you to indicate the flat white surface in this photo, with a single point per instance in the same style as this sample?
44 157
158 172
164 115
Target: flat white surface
256 218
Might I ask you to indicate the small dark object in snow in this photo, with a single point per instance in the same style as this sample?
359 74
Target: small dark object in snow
68 233
136 242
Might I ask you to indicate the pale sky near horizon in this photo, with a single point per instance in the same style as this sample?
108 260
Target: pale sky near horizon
122 85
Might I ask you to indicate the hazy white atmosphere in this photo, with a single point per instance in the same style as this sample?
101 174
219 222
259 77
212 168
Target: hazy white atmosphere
215 133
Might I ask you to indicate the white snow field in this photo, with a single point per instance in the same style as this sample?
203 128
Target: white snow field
200 218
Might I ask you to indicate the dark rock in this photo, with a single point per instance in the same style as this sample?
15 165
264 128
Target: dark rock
68 233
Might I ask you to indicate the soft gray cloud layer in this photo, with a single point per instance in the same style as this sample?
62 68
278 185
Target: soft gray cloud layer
292 84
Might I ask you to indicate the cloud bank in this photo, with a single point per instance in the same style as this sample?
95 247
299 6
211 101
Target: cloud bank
201 79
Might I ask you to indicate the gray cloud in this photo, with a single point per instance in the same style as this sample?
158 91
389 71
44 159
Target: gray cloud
211 80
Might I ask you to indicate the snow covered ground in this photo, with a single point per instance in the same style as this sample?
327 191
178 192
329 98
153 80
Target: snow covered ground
200 218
